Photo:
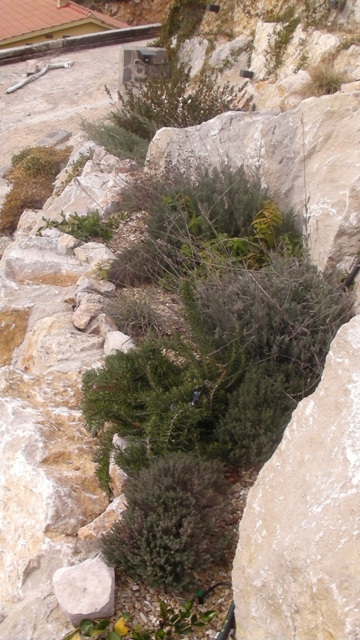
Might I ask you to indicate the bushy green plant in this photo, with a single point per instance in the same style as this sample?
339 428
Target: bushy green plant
116 140
163 396
259 410
287 312
218 216
32 175
174 524
82 227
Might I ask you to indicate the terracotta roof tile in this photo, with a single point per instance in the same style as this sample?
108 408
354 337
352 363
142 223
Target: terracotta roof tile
19 17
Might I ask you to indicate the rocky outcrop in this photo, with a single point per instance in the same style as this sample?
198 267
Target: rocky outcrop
296 571
308 158
53 328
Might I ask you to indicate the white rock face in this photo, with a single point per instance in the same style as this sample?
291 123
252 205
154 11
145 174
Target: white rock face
96 189
309 159
192 54
86 590
296 571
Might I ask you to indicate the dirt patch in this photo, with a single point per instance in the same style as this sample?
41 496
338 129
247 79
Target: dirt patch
13 325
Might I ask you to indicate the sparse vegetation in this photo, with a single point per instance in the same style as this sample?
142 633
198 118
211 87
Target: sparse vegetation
116 140
134 315
165 100
32 174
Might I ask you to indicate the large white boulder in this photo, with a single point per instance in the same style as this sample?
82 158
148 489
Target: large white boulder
296 571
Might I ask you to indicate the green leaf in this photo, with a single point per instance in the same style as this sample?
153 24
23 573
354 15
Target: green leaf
113 636
100 625
86 627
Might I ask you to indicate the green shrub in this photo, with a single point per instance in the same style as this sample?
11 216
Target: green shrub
168 100
117 140
82 227
32 173
163 396
134 315
259 410
287 312
174 524
217 217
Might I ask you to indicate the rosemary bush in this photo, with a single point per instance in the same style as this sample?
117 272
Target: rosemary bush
174 524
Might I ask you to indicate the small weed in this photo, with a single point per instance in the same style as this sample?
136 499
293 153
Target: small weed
172 624
82 227
183 19
277 46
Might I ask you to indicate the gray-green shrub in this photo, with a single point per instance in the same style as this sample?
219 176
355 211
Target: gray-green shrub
174 524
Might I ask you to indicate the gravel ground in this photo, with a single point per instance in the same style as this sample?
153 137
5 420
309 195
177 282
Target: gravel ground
143 603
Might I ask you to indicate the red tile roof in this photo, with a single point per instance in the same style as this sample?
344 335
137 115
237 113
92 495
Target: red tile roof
20 17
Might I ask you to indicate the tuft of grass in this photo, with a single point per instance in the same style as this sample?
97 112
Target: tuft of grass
324 80
135 316
32 173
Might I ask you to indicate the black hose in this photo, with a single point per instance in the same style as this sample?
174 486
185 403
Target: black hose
229 623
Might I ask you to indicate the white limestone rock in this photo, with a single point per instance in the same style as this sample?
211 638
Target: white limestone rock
97 188
283 94
118 477
117 341
86 590
39 260
101 325
296 570
93 531
54 344
89 305
192 54
348 63
44 499
4 243
228 53
95 255
93 285
320 46
265 33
